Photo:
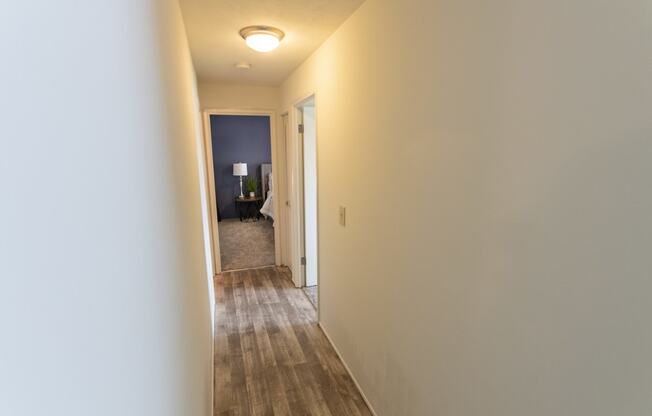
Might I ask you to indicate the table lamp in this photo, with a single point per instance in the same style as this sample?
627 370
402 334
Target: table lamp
240 169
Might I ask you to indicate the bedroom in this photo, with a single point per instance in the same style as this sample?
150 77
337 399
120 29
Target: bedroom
240 151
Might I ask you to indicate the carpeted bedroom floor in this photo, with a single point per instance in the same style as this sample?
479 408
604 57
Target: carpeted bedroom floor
244 245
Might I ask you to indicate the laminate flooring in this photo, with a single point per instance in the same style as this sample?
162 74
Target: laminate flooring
271 357
313 294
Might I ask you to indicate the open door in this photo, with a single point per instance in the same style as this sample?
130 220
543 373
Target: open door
306 147
310 196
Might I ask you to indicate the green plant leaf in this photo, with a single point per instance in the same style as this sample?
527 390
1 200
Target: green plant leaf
251 184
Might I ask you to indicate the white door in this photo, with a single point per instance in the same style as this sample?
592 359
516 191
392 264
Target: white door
310 195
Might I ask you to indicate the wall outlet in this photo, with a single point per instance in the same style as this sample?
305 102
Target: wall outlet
343 216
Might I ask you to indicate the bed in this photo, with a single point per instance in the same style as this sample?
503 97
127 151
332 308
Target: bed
268 190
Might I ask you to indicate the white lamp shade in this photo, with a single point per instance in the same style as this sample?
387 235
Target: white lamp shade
239 169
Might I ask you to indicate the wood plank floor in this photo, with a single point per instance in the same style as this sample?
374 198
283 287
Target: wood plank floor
271 358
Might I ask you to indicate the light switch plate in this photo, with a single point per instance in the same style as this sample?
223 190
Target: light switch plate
343 216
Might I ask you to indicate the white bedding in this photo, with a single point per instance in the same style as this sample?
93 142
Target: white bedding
268 207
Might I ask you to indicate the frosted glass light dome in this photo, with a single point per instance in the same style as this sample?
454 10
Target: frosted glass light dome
262 38
262 42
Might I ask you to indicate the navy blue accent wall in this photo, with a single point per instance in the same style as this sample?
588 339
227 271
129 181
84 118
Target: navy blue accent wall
237 139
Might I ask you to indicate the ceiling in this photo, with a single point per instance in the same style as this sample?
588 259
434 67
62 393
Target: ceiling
216 45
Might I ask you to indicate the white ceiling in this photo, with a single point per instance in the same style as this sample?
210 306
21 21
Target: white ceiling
216 45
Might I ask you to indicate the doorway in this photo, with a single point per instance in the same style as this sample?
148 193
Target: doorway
307 133
239 150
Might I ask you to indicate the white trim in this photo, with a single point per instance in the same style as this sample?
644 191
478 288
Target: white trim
348 370
212 203
298 197
208 142
284 202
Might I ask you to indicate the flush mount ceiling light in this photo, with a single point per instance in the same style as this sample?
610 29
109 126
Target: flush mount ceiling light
262 38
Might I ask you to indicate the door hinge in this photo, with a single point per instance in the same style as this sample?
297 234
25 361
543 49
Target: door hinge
303 261
301 128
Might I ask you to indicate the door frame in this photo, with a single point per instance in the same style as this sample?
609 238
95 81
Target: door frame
208 146
305 176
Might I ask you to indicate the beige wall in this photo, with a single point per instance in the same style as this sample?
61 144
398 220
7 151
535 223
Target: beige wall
104 290
229 96
494 159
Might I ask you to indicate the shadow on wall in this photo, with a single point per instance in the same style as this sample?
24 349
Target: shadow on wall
237 139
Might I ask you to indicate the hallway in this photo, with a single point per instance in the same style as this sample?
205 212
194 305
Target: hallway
271 357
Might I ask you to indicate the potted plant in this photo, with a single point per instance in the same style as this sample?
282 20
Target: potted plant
251 184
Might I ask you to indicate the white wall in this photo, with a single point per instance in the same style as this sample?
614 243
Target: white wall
310 193
494 159
104 293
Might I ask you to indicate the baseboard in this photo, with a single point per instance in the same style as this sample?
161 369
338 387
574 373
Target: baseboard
348 370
